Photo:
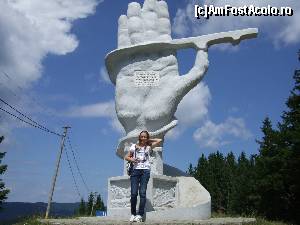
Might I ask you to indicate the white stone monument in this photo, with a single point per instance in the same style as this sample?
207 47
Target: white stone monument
144 70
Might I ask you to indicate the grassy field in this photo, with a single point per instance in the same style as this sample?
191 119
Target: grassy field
260 221
30 221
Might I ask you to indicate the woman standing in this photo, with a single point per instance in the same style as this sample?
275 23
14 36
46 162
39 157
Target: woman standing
139 154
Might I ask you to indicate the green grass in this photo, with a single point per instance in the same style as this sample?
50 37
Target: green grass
261 221
33 220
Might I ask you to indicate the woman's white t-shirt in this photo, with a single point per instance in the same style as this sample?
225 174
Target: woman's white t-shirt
142 155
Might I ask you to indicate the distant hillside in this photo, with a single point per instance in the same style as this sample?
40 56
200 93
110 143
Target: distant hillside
14 211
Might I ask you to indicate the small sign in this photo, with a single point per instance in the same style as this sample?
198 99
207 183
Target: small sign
101 213
146 78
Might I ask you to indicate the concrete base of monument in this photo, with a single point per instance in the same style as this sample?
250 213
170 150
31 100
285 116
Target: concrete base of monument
168 198
171 194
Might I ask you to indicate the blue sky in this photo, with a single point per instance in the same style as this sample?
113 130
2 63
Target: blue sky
54 56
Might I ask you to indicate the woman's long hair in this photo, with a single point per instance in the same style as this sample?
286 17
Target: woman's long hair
148 137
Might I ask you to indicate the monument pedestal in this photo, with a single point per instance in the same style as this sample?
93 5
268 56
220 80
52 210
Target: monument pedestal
171 194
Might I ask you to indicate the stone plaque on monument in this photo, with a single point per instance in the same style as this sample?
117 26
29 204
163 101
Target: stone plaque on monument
146 78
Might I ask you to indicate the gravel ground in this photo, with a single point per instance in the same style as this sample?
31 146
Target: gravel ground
107 221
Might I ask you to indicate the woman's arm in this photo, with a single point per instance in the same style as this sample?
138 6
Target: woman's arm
129 157
155 142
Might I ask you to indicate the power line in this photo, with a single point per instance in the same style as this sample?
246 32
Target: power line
49 131
74 158
30 97
39 125
18 111
70 167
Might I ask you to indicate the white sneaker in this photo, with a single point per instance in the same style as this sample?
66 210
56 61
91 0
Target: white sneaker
132 218
138 219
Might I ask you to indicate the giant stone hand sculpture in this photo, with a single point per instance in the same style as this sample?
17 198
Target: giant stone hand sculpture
145 44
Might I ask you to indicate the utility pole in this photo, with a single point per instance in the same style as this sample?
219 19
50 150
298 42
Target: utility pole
56 170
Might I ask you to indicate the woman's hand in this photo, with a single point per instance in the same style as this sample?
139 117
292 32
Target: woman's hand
133 160
155 142
129 157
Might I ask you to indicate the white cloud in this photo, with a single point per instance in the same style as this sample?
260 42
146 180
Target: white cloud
213 135
192 109
278 29
175 133
180 23
105 109
102 109
29 30
104 75
193 106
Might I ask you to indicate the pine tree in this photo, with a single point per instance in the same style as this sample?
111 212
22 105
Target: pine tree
82 208
90 203
270 167
3 191
99 205
244 186
230 171
290 135
191 170
200 172
216 180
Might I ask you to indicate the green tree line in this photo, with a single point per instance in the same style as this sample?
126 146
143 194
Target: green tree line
93 203
265 184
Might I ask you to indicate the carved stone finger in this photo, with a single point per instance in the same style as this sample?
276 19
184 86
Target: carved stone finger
162 9
164 29
134 9
135 23
135 29
150 20
150 5
123 36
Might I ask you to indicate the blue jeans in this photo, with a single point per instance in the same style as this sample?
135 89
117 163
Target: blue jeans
139 180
